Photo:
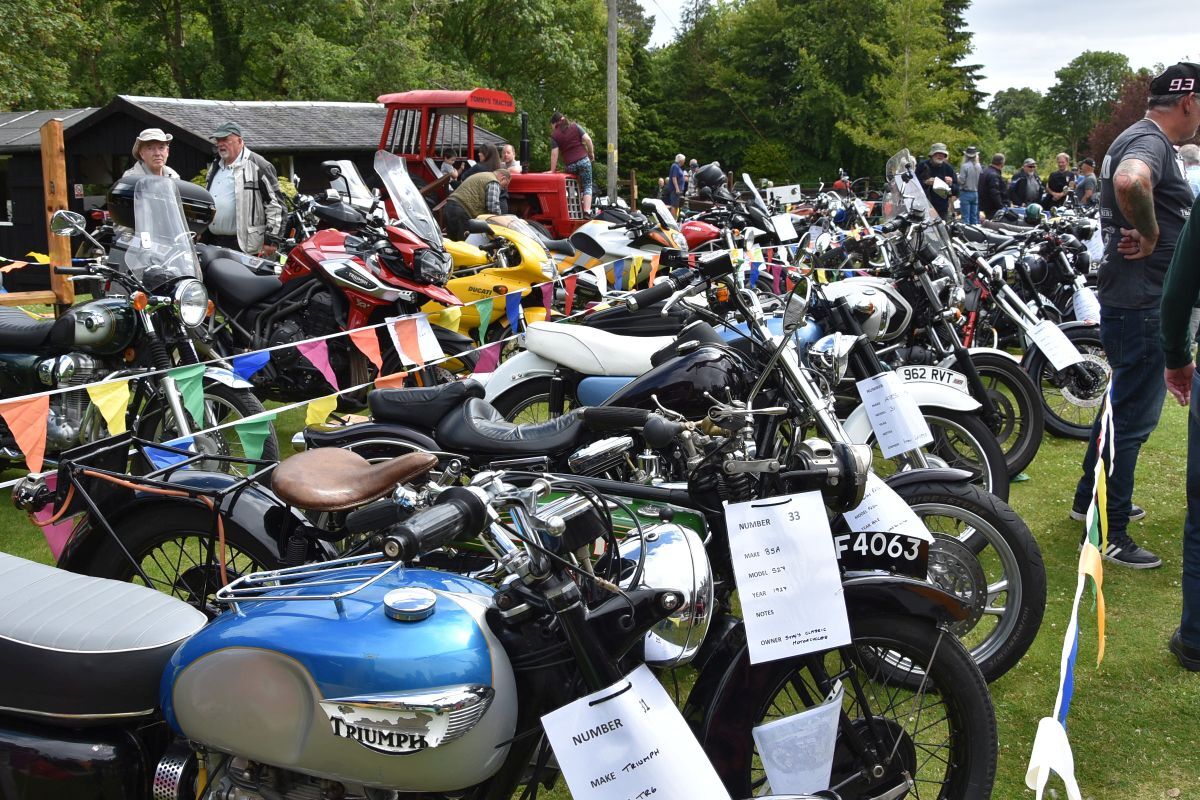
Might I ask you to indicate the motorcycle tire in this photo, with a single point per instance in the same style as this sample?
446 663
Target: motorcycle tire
963 441
943 736
1008 610
1071 398
528 401
1023 419
179 554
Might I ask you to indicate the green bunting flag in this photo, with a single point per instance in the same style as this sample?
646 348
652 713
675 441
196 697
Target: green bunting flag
484 307
190 381
253 435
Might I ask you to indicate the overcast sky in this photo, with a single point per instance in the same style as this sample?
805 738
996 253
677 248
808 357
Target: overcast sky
1022 42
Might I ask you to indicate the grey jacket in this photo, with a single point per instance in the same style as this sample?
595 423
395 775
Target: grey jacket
259 209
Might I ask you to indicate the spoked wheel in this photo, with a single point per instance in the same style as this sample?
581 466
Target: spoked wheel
1072 397
962 441
180 555
1004 589
937 740
528 402
1022 419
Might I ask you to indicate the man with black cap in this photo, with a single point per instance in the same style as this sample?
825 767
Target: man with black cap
249 215
937 166
1026 186
150 151
992 188
1085 184
968 185
1144 202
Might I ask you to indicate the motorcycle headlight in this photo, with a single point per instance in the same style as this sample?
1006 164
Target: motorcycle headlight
675 559
191 302
432 266
831 355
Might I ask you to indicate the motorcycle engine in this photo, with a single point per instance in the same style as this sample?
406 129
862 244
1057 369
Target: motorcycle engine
315 319
65 421
247 780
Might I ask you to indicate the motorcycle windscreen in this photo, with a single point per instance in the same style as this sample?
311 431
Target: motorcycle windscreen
161 249
410 207
360 195
904 192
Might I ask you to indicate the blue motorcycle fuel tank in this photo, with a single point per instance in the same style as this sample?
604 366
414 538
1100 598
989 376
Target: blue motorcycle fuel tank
418 699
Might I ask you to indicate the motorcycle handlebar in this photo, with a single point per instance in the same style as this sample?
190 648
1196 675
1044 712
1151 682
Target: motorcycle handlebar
72 271
458 511
661 290
612 418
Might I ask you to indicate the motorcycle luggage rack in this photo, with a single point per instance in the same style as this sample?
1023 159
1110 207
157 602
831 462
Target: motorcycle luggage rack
338 572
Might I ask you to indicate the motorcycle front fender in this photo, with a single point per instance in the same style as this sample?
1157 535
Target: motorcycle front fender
948 361
928 394
226 377
257 514
910 476
522 367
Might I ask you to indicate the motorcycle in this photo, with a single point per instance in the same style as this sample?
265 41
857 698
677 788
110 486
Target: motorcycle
155 302
333 281
627 235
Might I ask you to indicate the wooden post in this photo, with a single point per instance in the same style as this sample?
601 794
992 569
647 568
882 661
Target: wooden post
633 194
54 184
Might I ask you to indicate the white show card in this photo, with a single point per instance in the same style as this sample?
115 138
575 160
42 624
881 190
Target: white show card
883 510
431 349
1060 351
894 415
797 751
787 576
601 280
784 228
1086 304
629 742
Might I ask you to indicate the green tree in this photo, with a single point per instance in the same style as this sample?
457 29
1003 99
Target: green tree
1083 94
34 68
1012 104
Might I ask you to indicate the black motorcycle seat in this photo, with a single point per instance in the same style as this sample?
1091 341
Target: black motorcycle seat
476 428
235 282
421 407
77 650
994 241
20 331
561 246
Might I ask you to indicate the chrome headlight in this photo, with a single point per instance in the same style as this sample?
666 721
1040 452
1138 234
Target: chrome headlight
675 560
831 354
191 302
432 266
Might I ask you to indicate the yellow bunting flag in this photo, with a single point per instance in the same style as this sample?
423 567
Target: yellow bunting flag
40 258
27 422
320 409
113 401
636 272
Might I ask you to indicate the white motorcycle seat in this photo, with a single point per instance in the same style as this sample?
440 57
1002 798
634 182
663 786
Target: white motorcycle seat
591 351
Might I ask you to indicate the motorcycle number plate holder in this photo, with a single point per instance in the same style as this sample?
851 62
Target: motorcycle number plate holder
787 576
1060 351
939 375
629 742
874 551
894 415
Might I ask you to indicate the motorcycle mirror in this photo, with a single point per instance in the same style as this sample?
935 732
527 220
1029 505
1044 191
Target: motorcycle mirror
66 223
941 188
793 313
332 169
478 226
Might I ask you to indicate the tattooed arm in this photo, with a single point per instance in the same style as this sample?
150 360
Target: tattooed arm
1132 184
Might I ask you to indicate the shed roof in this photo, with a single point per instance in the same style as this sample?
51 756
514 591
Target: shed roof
21 130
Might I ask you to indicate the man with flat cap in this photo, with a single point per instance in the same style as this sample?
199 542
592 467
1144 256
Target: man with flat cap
1144 202
937 166
150 151
249 207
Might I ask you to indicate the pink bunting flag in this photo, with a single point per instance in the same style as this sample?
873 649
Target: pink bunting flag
569 283
548 298
317 354
56 533
27 422
489 358
368 344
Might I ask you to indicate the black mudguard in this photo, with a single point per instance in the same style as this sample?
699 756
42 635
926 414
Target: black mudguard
371 440
910 476
257 514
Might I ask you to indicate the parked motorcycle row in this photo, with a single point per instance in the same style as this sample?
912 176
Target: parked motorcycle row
777 469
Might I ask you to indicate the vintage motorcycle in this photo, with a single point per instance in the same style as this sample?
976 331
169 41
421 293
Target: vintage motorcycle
146 323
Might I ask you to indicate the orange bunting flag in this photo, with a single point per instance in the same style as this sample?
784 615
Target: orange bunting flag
26 420
368 344
407 340
112 399
393 381
653 268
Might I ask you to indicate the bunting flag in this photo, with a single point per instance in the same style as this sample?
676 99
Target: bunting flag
754 267
569 284
635 274
394 381
161 459
190 382
619 274
26 420
427 341
1051 750
40 258
253 435
246 365
512 306
448 318
319 410
56 533
16 265
488 358
548 298
776 271
367 342
404 337
112 400
317 354
484 307
654 259
601 280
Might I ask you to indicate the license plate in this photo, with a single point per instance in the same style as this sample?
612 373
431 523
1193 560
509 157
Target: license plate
946 377
879 550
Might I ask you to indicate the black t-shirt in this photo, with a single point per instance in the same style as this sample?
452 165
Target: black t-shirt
1057 182
1138 284
1082 184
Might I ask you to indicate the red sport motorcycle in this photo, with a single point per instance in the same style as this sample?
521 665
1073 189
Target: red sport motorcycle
333 281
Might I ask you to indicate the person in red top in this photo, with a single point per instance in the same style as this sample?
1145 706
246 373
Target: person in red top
577 153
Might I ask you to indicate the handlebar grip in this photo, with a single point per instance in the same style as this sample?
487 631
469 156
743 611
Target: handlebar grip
612 418
661 290
72 271
458 511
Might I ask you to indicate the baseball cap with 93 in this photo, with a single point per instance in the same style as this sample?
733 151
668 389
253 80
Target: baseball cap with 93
1180 78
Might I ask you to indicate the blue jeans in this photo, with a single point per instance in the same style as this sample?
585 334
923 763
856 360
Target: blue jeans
968 206
1130 339
1189 627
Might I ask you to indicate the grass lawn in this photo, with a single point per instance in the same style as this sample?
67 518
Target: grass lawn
1132 724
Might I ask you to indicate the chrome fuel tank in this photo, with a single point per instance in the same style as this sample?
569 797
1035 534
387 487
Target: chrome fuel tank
359 694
